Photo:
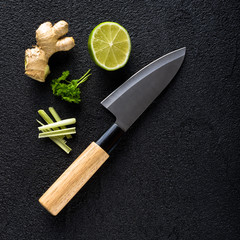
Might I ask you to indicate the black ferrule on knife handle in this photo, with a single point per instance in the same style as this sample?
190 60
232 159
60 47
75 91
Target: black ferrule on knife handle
110 138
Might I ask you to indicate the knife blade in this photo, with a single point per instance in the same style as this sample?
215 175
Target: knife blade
130 100
126 103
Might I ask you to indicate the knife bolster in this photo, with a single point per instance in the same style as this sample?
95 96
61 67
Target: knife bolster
110 138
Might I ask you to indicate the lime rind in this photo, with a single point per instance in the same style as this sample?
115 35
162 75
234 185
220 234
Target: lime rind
99 39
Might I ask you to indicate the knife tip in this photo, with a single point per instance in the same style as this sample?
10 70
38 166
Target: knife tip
182 51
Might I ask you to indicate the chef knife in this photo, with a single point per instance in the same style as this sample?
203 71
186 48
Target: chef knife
126 103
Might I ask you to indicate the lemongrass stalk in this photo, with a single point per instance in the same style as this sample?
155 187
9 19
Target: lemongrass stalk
57 118
58 124
46 117
54 114
57 133
61 144
48 130
58 140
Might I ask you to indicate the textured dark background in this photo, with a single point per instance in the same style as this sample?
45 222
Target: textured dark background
175 174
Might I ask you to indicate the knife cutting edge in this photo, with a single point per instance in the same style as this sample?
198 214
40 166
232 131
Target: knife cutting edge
126 103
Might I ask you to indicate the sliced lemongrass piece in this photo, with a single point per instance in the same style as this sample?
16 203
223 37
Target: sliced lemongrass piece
57 118
40 122
46 117
58 124
47 130
57 133
58 140
48 120
54 114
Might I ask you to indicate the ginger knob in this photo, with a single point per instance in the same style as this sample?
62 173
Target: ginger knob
49 40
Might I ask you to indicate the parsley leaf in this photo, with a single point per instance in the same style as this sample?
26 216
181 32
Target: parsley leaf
68 90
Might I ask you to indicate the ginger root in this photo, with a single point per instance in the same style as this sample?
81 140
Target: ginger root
48 42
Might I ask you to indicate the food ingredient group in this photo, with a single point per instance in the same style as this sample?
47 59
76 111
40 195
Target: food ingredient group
48 42
56 131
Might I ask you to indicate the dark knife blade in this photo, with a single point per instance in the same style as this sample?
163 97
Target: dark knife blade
133 97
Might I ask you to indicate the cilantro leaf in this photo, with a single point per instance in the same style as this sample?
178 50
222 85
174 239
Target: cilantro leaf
68 90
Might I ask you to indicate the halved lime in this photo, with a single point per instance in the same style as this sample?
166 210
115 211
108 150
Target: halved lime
109 45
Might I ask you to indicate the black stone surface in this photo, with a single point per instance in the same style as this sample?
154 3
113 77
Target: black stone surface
175 174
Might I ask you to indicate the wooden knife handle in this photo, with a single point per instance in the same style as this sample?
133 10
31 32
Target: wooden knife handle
73 179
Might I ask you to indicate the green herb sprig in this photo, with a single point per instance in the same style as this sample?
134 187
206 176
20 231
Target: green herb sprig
68 90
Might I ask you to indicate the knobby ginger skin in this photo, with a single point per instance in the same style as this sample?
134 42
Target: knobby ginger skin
48 42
